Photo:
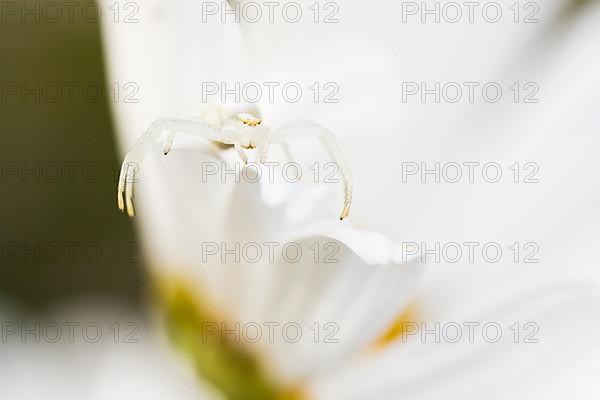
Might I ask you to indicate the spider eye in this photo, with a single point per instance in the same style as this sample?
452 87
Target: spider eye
249 119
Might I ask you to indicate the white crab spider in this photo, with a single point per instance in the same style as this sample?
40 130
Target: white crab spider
227 128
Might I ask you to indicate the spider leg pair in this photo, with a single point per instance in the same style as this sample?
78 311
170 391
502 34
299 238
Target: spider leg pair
135 157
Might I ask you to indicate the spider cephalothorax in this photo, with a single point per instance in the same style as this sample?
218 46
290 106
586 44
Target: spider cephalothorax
243 131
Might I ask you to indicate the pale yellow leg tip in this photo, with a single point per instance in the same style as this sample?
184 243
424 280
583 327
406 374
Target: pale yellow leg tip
344 214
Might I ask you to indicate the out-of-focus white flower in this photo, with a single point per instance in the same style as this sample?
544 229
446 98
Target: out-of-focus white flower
55 357
369 54
357 281
338 291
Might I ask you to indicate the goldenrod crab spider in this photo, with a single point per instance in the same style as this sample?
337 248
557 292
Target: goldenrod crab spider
227 128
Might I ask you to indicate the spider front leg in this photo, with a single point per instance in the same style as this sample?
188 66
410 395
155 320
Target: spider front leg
240 150
168 143
310 129
136 155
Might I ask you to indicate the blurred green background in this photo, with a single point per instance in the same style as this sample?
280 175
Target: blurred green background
49 210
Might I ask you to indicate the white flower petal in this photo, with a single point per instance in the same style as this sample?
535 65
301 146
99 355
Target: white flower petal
567 348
